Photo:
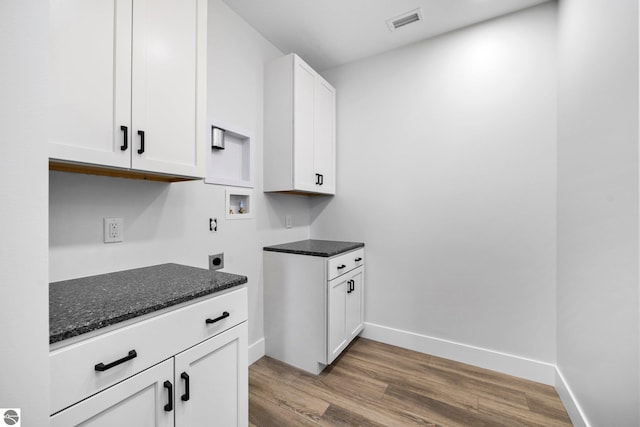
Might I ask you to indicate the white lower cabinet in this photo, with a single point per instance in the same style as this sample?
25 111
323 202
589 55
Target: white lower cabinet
314 306
204 384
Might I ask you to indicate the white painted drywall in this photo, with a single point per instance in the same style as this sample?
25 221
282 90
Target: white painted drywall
597 294
446 170
24 315
169 222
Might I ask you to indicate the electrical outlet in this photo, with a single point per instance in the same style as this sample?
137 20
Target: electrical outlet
288 221
216 262
113 230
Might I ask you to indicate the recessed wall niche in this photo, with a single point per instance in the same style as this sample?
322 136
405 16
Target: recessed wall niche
229 156
238 204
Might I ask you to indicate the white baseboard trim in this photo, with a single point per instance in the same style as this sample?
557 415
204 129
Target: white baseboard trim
570 402
256 351
522 367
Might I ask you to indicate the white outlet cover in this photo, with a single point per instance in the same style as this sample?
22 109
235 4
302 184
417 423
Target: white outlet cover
113 230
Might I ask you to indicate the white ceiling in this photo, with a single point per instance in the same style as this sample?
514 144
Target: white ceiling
328 33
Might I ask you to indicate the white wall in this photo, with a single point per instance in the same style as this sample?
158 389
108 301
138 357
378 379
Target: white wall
24 316
597 295
446 170
169 222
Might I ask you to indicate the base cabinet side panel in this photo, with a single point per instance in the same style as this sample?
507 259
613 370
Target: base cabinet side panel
138 401
295 309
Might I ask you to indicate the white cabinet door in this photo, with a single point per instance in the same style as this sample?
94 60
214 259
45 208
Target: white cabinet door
355 303
217 375
324 136
165 71
138 401
337 317
89 90
346 311
304 177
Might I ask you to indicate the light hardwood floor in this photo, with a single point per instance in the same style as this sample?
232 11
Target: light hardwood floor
374 384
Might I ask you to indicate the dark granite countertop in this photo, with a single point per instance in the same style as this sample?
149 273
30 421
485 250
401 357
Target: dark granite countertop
83 305
321 248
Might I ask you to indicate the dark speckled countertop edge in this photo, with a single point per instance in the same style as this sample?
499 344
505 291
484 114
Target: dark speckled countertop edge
313 247
65 323
133 314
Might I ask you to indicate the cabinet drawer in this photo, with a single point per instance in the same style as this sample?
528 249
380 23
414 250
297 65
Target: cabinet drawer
72 368
344 263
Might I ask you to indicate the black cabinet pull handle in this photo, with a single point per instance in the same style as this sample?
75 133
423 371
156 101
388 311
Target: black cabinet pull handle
102 367
349 286
352 286
317 179
125 141
141 149
169 406
358 259
340 267
321 179
185 377
217 319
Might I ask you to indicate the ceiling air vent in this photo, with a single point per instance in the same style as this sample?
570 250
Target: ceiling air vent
405 19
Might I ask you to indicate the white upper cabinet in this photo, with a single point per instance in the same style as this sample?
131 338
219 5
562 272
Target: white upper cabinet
127 84
299 142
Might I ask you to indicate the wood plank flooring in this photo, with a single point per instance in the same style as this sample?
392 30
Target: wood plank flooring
374 384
